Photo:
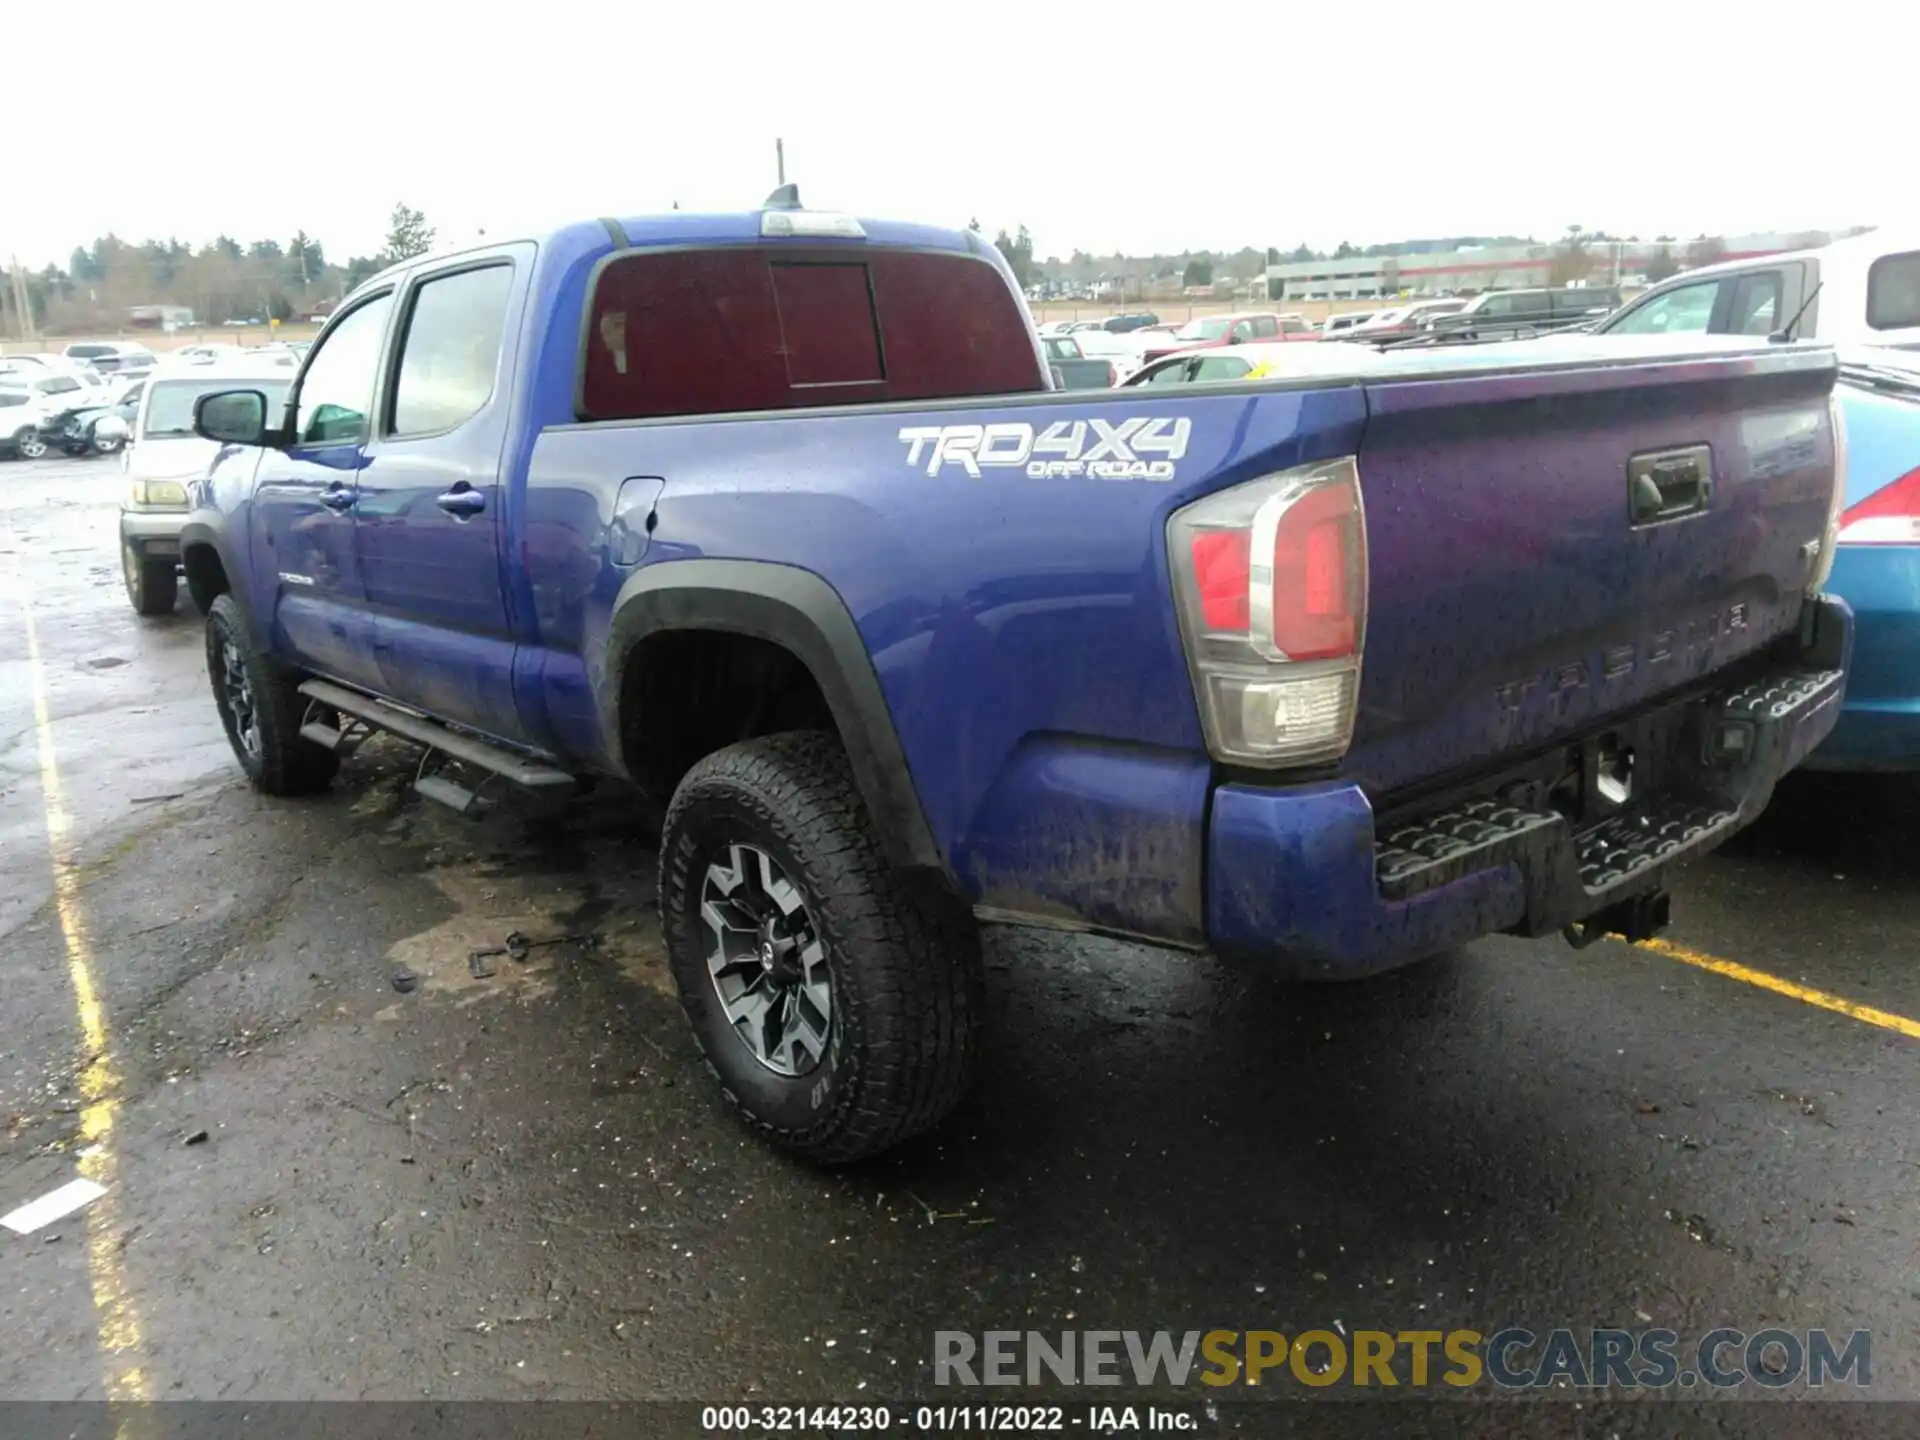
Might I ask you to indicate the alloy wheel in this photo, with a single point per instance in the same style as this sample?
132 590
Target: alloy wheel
237 691
767 961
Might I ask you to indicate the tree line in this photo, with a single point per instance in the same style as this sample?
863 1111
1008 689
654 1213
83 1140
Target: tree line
223 280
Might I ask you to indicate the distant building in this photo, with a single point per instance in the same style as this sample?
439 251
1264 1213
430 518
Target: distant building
1489 267
160 317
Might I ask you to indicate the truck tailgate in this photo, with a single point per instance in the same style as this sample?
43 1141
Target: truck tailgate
1518 596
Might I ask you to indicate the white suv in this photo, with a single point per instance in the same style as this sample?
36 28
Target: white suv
30 398
112 357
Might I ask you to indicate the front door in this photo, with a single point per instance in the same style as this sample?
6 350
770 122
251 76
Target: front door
429 519
306 574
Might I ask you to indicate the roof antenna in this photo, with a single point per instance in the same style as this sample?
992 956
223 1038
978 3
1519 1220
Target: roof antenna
785 196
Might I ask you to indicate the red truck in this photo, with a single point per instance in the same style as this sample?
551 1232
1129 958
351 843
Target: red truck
1207 331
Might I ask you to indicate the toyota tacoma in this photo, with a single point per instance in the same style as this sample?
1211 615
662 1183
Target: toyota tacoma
776 515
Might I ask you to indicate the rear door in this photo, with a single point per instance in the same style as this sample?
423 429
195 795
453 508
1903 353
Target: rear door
305 572
429 519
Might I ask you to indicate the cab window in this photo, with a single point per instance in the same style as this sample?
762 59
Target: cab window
1219 367
451 350
1685 310
734 328
337 391
1756 304
1893 291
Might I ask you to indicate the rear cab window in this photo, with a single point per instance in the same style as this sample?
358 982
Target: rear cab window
741 328
1893 292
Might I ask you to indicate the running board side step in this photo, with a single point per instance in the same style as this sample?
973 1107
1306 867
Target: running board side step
469 749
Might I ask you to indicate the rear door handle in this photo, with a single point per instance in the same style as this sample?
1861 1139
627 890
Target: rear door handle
462 502
339 497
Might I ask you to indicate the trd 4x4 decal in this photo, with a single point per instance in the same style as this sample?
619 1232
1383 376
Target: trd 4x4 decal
1097 449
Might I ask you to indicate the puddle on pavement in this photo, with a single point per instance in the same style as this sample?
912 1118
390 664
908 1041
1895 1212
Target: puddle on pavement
488 908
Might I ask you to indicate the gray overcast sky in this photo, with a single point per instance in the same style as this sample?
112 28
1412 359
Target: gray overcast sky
1141 127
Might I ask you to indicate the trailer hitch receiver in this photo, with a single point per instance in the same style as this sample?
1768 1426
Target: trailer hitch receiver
1641 918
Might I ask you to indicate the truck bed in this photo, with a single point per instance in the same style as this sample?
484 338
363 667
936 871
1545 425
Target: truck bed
1009 578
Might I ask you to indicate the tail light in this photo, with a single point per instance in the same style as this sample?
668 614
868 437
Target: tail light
1823 561
1270 580
1889 516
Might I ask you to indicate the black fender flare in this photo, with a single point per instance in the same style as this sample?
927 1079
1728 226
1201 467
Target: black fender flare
801 612
208 527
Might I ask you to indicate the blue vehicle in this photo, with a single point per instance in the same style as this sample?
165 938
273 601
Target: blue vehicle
1877 566
776 515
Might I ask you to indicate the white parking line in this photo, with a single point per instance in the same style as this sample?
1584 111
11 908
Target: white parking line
54 1205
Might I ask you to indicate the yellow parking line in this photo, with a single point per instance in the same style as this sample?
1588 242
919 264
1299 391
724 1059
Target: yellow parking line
1805 994
116 1320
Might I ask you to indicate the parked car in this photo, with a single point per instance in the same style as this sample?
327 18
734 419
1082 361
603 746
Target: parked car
1517 314
906 644
1078 370
1258 360
39 363
112 357
1209 330
1337 323
42 396
23 416
1404 321
1122 324
1860 291
101 426
206 353
1876 566
163 461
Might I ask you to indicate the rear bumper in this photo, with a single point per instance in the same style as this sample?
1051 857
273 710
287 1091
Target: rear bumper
1879 725
1302 879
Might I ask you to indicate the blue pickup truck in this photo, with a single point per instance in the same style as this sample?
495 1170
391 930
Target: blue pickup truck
775 515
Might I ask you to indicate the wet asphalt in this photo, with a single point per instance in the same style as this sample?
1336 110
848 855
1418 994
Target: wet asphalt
521 1185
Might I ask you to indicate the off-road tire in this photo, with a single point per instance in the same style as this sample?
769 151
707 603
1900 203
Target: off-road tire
153 586
282 763
905 972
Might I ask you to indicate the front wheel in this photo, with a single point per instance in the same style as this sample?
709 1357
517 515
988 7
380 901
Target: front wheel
107 444
153 586
28 444
260 705
839 1012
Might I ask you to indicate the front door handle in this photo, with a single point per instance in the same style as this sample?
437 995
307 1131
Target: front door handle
339 497
462 502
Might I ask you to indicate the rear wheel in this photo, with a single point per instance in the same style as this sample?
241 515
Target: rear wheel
260 705
28 444
152 585
839 1013
107 444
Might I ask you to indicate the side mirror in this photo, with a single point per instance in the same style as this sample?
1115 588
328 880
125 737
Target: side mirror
232 417
1235 338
